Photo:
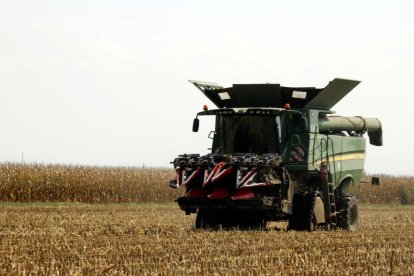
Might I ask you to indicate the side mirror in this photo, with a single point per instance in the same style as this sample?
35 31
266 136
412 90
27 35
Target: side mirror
196 124
303 122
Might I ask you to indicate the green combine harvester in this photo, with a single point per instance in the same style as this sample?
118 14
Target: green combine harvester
278 153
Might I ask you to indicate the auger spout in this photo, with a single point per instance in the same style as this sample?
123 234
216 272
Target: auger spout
358 125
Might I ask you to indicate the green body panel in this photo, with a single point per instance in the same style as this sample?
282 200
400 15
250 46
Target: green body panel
344 155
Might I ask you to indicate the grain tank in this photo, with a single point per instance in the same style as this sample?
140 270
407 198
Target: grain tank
278 153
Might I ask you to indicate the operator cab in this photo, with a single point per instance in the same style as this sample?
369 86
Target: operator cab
248 134
246 130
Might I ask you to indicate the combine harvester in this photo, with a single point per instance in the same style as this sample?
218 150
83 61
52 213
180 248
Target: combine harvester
278 153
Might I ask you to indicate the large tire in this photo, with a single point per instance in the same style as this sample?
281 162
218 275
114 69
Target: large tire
200 222
207 218
348 213
303 217
244 221
228 219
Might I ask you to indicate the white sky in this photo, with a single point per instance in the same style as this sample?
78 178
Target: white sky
104 82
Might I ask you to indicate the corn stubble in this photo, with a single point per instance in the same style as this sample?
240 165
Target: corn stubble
158 239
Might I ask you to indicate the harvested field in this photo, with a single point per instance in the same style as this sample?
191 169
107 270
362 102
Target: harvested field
74 239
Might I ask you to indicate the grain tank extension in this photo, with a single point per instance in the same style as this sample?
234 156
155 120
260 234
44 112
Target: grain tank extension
278 153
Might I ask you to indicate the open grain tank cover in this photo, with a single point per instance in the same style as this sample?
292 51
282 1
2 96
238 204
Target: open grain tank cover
274 95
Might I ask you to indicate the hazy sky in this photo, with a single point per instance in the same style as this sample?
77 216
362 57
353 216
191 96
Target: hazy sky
105 82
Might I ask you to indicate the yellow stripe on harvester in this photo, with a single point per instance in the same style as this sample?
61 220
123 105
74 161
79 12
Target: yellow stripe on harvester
351 156
342 157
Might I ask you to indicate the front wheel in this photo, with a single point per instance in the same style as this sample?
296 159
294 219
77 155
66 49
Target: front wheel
305 210
228 219
207 218
200 222
203 218
348 213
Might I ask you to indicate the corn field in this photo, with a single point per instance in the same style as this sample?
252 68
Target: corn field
52 183
58 183
392 190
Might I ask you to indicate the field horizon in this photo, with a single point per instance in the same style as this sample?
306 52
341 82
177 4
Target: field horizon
109 184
